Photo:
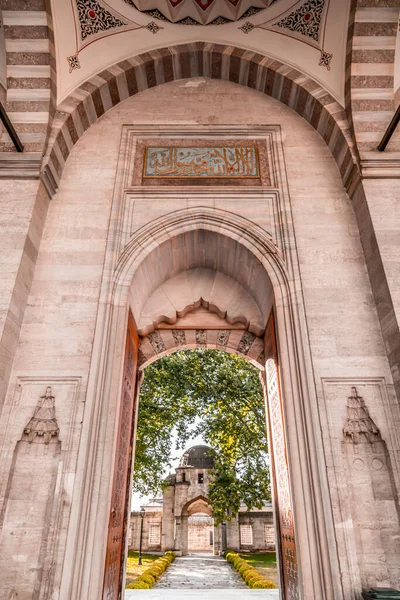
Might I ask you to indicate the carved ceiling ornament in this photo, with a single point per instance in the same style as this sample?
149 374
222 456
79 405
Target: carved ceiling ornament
359 427
43 426
305 21
200 12
96 19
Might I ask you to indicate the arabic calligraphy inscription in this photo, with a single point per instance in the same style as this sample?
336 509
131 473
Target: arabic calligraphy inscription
215 161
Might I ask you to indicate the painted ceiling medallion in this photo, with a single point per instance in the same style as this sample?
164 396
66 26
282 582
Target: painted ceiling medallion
96 19
200 12
305 21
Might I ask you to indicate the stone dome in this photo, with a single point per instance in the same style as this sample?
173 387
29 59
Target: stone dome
200 457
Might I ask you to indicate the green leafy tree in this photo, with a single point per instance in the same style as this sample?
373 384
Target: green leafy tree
215 395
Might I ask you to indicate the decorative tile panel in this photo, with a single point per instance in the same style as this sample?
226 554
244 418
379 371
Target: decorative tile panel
193 162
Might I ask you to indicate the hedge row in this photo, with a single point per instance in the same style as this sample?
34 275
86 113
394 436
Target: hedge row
252 577
146 580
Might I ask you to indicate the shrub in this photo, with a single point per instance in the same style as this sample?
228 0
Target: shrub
147 579
251 576
140 585
263 584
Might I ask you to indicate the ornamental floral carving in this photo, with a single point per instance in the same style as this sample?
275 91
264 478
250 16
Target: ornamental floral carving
305 22
96 19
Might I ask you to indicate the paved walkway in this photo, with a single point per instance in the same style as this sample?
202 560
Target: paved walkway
201 577
200 571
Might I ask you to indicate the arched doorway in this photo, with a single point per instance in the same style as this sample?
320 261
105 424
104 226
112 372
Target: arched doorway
209 239
197 526
200 533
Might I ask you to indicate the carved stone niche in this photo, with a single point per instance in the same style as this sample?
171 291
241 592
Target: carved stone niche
28 502
372 496
43 427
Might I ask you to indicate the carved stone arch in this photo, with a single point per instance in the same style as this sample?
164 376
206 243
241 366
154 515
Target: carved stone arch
242 231
310 499
155 67
235 341
192 501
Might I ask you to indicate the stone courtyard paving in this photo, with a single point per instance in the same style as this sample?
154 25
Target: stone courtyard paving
201 576
200 571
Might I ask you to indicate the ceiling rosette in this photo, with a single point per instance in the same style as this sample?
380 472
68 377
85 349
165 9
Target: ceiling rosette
200 12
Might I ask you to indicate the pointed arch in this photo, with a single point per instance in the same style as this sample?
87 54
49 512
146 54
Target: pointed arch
294 89
198 499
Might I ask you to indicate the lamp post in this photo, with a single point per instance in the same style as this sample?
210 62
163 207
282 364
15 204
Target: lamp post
224 540
142 511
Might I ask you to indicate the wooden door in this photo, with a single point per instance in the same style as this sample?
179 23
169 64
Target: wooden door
278 451
117 526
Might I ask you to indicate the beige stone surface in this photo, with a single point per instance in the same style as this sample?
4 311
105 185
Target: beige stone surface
23 209
340 332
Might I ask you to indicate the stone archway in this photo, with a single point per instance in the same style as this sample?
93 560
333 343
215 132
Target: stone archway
250 242
193 507
155 67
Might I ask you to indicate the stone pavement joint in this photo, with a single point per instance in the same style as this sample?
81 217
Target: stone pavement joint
200 571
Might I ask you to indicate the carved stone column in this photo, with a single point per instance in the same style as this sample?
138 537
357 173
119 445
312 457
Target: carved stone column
372 495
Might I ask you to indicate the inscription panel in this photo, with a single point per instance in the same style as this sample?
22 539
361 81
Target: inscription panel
209 161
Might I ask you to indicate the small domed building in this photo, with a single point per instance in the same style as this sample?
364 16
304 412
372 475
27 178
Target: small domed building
182 519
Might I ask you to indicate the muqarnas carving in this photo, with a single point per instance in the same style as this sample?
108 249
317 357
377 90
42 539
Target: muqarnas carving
29 500
359 426
43 426
372 497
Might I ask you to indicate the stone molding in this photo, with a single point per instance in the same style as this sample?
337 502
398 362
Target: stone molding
21 165
384 166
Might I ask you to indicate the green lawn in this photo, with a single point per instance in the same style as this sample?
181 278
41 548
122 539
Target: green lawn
132 568
265 562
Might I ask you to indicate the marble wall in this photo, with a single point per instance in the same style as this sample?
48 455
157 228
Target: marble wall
343 344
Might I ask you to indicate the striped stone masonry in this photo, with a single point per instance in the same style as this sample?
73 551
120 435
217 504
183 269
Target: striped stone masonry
31 72
105 90
372 73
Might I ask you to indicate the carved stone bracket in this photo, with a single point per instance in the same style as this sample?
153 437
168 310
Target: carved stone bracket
43 426
359 427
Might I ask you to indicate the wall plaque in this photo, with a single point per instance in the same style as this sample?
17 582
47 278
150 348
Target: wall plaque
181 162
